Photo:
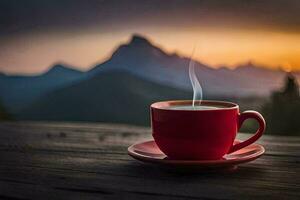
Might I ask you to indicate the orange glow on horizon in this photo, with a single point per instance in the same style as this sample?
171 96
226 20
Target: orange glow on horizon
34 54
272 50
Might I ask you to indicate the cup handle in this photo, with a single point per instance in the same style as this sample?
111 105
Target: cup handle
262 126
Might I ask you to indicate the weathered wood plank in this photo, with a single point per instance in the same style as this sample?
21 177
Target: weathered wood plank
76 161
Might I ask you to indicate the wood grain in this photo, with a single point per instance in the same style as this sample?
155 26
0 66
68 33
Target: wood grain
89 161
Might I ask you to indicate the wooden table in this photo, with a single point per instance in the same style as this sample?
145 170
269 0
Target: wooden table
90 161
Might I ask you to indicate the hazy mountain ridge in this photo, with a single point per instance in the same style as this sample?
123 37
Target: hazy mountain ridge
115 96
18 91
144 61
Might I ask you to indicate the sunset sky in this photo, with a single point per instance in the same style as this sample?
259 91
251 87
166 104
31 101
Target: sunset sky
35 34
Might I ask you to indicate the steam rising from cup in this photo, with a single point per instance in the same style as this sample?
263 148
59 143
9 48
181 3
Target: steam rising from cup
197 89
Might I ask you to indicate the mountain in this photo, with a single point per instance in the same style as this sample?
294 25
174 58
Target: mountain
142 58
115 96
139 59
146 60
19 91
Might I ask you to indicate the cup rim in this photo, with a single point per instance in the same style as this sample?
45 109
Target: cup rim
162 105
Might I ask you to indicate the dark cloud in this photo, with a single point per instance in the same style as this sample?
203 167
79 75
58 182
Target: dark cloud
35 15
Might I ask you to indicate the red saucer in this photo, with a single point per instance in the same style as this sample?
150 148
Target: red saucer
149 152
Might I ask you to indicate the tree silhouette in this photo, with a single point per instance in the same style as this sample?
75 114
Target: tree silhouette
3 113
282 112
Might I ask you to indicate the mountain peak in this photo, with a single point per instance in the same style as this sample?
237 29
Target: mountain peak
247 65
138 40
59 67
137 47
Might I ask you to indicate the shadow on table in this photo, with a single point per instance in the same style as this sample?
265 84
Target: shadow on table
153 171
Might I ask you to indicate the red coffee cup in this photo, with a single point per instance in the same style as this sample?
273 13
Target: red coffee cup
200 134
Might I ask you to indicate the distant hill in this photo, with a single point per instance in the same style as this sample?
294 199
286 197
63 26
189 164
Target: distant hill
115 96
19 91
